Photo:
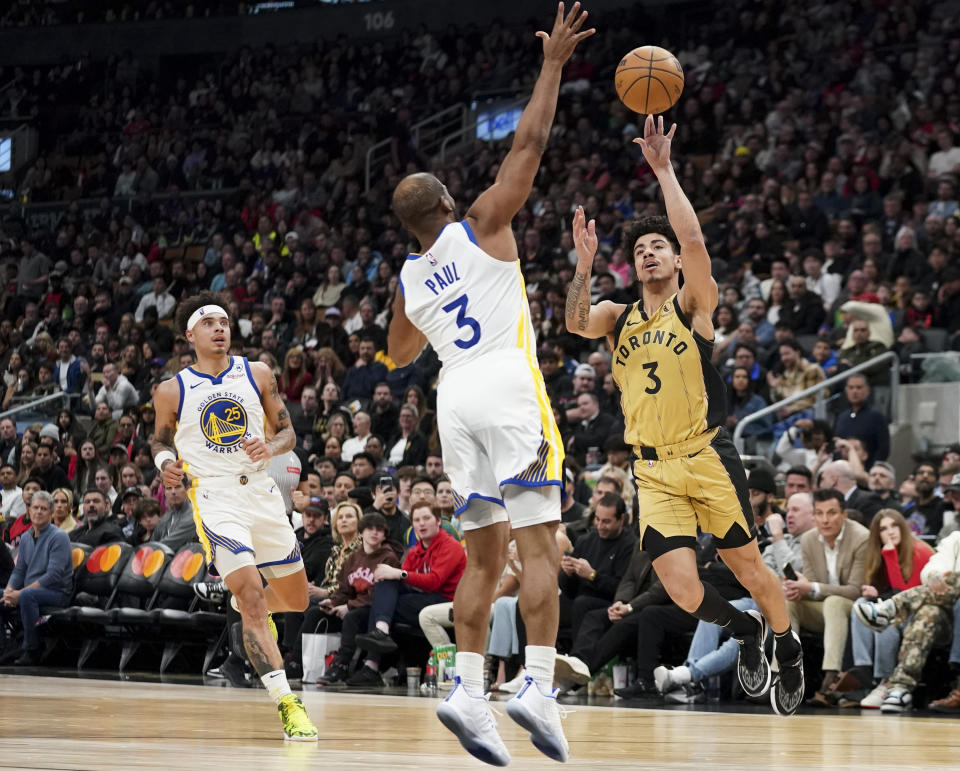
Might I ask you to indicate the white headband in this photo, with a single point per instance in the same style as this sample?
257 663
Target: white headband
205 310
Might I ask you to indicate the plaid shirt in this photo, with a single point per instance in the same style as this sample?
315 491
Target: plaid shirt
796 379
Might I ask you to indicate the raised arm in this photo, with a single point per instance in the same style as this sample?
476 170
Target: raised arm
582 318
404 340
496 207
699 292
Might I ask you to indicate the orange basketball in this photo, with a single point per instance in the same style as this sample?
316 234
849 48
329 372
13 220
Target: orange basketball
649 80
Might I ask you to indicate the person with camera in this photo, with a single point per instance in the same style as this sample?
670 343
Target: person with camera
385 503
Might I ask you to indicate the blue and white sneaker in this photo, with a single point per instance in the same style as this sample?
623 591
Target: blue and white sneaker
471 720
539 713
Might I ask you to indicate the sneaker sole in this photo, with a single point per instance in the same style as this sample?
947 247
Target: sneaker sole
288 738
468 740
763 656
545 742
376 647
860 609
563 670
773 696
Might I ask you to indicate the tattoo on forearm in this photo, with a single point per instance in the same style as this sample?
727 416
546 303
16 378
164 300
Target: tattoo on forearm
162 440
255 652
578 307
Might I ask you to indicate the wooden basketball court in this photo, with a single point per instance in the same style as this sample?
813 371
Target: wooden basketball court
67 723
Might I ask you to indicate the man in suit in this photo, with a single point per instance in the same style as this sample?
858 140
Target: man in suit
839 475
864 422
803 311
821 598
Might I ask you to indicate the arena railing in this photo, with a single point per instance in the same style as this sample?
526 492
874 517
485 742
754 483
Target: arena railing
32 405
821 392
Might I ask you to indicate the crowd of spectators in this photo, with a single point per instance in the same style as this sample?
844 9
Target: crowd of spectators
821 156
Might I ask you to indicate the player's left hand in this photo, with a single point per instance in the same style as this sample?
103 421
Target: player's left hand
256 449
655 143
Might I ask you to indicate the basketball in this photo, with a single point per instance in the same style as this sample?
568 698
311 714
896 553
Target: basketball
649 80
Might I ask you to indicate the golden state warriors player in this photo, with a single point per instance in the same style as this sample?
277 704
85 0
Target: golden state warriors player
214 414
687 470
464 294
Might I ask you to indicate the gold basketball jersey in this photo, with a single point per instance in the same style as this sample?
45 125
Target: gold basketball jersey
670 390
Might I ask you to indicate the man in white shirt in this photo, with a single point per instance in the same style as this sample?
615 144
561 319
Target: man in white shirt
13 505
358 442
947 159
827 285
116 391
160 298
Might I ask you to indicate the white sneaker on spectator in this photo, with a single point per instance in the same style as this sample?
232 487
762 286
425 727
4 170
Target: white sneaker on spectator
898 700
876 697
570 668
512 686
540 714
666 680
471 720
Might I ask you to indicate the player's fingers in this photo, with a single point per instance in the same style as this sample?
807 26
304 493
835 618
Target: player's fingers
659 124
543 35
673 130
579 20
586 33
648 126
559 19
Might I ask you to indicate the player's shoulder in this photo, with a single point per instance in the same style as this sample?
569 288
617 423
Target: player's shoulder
167 393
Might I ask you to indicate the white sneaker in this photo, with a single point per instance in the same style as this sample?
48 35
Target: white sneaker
570 668
512 686
876 697
471 720
898 700
666 680
540 714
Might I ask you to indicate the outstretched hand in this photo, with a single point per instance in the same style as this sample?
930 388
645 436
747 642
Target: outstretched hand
559 45
655 143
584 236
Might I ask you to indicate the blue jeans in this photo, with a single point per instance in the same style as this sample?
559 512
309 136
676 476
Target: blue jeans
877 648
29 606
395 602
780 426
707 657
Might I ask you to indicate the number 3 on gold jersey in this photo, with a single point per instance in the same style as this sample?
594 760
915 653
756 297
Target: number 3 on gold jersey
651 368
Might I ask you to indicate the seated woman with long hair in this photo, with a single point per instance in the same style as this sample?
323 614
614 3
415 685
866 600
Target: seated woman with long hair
893 563
742 400
294 375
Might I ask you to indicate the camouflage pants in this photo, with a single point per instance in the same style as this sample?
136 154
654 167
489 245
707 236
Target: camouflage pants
931 625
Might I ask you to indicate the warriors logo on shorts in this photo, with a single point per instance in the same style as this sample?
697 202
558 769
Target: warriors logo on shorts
224 422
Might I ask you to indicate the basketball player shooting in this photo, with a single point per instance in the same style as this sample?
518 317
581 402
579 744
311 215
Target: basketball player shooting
687 471
464 294
214 414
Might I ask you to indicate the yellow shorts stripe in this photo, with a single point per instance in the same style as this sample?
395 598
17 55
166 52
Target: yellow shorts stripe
553 463
197 521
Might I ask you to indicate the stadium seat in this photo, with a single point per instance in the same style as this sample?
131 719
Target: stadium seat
935 338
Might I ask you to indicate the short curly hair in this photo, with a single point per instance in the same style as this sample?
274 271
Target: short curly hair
187 307
644 225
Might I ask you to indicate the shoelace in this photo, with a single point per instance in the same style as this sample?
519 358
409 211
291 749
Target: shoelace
489 712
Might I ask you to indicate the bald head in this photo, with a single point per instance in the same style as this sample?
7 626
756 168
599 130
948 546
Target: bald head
419 198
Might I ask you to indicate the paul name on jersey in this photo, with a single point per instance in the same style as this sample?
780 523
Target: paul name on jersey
443 278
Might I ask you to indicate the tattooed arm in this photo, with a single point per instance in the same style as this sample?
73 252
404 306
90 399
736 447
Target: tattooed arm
165 402
582 318
275 410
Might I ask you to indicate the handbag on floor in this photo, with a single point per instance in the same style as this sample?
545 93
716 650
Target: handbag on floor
319 650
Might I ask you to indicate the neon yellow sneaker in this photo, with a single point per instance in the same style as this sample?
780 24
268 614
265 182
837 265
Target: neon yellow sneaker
273 627
296 725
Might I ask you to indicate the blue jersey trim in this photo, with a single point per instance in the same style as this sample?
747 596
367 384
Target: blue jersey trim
246 364
463 506
400 284
287 561
216 380
180 403
414 256
470 235
528 483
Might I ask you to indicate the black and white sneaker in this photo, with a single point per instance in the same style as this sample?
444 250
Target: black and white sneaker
899 700
786 693
690 693
211 591
753 669
365 677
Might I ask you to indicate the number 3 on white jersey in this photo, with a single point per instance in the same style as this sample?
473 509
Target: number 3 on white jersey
464 322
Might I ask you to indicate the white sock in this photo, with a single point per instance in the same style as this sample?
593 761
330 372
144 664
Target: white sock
374 665
680 675
233 603
539 662
276 684
470 671
383 626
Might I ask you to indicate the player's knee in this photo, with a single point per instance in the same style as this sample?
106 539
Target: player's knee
251 601
685 593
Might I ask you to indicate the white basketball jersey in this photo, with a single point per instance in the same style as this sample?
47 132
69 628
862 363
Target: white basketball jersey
466 302
214 415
